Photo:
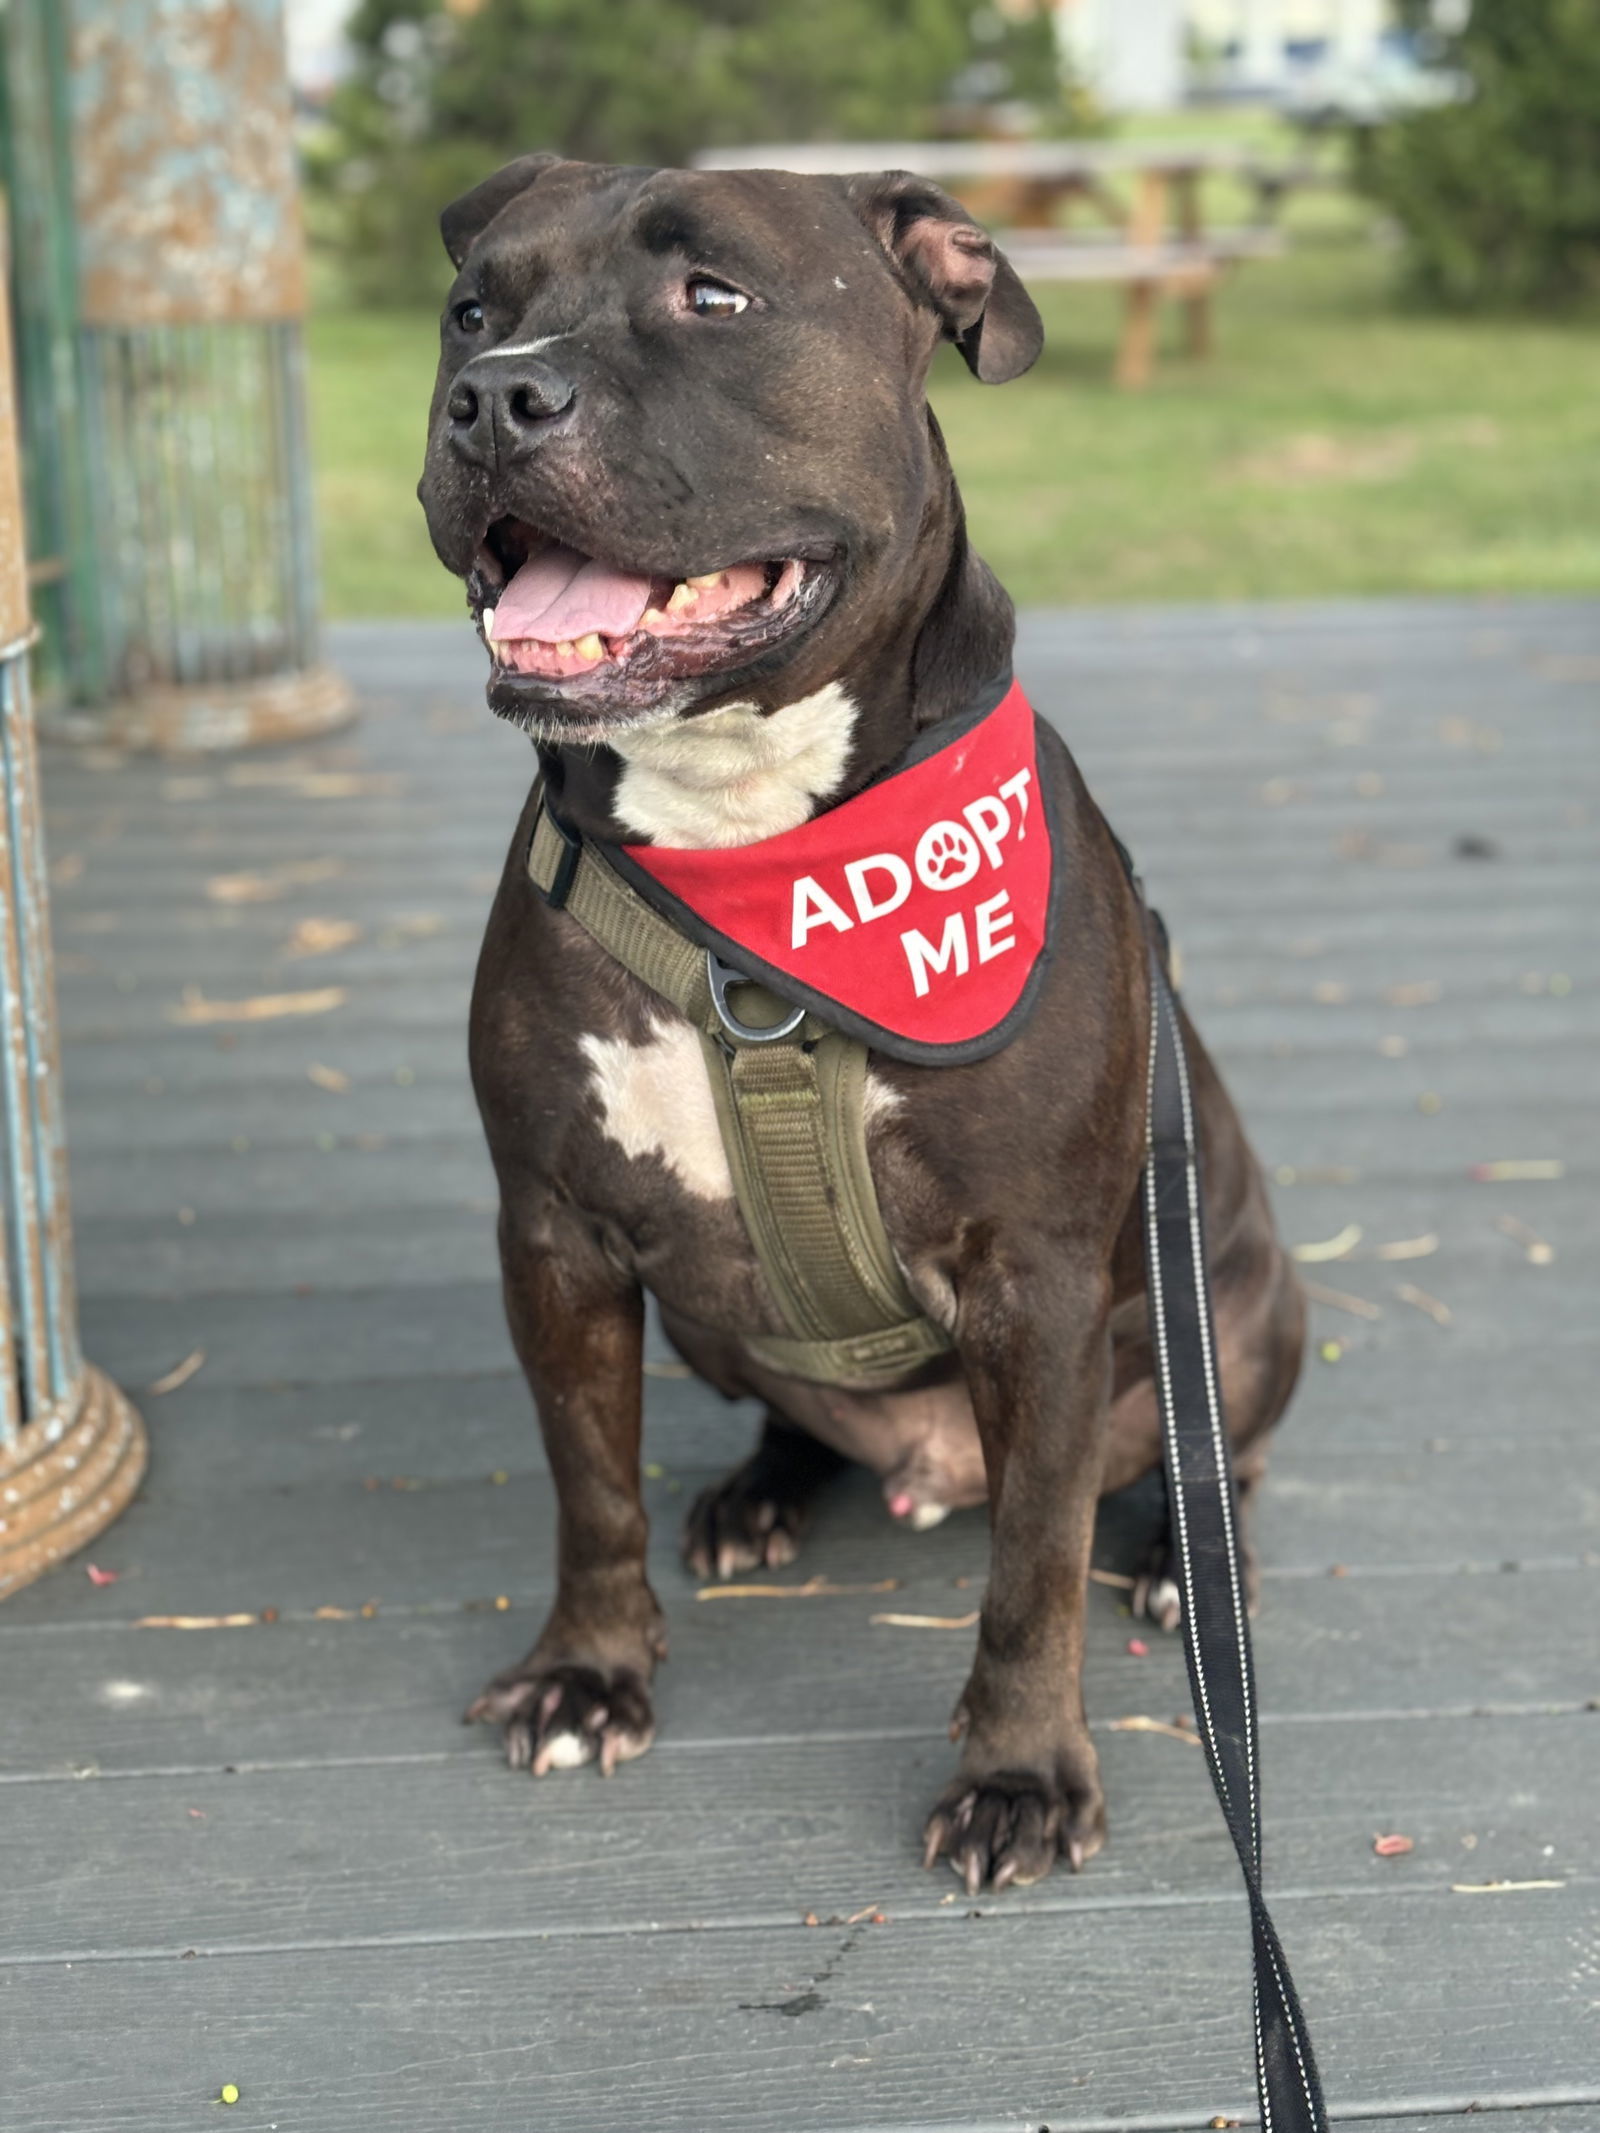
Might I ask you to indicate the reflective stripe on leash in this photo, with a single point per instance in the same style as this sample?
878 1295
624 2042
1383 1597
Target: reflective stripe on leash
1205 1525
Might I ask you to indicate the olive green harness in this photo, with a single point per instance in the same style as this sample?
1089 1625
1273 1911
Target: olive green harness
790 1094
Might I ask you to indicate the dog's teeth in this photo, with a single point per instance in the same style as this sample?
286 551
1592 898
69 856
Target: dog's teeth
682 596
488 622
590 647
564 650
651 614
705 584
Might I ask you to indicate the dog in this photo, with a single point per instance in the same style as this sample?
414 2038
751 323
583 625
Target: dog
694 404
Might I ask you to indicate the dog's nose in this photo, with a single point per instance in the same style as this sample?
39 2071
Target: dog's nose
502 405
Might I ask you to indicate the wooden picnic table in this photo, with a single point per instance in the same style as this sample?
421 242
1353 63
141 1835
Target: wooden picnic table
1157 243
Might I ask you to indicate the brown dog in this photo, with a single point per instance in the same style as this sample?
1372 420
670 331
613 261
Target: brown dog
653 378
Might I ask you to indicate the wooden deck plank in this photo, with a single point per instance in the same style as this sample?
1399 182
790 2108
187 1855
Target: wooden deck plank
200 1859
836 2030
1328 1650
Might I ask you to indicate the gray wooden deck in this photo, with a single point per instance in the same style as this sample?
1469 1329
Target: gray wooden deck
270 1855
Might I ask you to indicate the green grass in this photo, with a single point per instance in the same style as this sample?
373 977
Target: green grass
1335 443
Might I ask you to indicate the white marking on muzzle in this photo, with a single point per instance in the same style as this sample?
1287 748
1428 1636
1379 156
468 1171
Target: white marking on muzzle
522 348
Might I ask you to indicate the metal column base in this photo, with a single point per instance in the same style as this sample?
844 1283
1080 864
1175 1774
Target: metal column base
70 1473
210 717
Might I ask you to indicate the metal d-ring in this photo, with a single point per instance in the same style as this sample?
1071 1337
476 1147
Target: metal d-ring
722 975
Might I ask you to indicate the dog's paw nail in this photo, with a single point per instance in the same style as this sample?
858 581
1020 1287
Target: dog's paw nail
972 1870
1076 1854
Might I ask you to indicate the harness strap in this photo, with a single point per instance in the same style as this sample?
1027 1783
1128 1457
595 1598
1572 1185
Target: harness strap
792 1113
1205 1524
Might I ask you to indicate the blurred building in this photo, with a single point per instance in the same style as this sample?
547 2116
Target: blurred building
1150 55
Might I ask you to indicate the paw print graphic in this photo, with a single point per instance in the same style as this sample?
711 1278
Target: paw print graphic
947 856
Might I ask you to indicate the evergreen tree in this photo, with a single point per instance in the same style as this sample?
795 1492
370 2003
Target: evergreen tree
1497 193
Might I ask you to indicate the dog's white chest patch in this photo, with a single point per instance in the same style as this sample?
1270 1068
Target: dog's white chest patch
655 1099
737 775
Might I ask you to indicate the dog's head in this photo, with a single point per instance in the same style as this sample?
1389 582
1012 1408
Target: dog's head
679 448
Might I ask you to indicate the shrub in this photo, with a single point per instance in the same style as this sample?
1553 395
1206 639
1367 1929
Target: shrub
1497 194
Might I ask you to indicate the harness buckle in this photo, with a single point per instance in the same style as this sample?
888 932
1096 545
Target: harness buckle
721 975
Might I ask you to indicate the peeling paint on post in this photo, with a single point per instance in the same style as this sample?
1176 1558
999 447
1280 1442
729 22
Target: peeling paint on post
72 1450
184 163
190 564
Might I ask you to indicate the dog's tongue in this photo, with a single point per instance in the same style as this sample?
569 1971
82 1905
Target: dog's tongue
561 595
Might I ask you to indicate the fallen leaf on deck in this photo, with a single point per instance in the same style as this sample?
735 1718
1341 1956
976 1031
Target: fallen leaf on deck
1315 1174
872 1912
195 1009
180 1373
1422 994
266 888
1341 1300
813 1589
420 926
926 1621
1410 1247
311 784
198 1622
334 1079
319 936
1495 1888
1328 992
1393 1847
1155 1725
333 1614
1420 1300
1539 1252
1514 1169
97 1576
1339 1247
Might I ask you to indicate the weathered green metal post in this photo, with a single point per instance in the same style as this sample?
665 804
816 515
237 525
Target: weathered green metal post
71 1448
150 141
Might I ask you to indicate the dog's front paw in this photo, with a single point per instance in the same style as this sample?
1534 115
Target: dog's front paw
559 1717
1013 1825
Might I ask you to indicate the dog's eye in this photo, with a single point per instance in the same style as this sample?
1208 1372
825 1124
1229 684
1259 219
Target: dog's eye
714 299
469 317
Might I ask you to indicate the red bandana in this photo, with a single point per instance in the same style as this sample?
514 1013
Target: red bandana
915 915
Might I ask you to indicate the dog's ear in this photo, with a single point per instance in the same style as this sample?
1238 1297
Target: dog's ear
952 265
466 219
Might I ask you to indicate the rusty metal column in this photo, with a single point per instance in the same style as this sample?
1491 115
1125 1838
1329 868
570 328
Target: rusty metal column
71 1448
190 280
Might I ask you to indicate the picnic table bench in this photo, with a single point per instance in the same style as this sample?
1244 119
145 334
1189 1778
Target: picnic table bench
1155 243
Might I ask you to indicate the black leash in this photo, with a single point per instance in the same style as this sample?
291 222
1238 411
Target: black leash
1205 1518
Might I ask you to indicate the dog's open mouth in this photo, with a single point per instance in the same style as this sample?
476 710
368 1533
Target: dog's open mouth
552 614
